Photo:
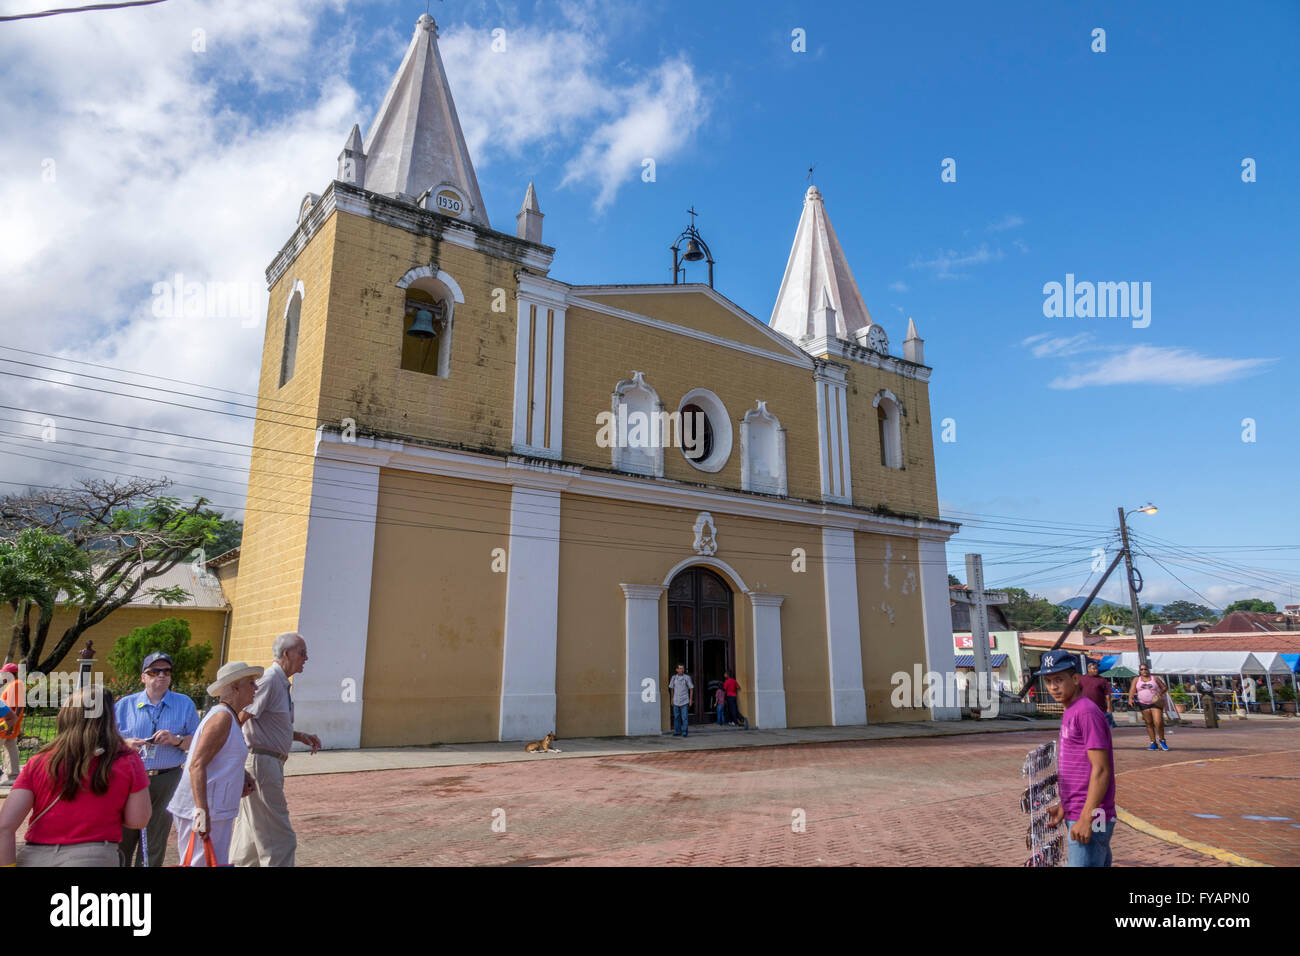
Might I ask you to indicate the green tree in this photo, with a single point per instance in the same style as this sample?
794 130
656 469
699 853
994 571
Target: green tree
1030 612
225 537
1251 604
35 566
1187 611
953 581
171 636
128 533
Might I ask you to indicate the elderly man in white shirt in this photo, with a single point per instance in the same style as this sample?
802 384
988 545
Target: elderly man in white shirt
263 833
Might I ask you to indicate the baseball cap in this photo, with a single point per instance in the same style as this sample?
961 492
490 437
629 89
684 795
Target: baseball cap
9 669
1054 662
154 658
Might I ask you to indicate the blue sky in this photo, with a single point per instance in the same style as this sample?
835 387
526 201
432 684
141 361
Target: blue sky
1115 166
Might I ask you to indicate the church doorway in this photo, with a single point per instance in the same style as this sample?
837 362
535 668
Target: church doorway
701 634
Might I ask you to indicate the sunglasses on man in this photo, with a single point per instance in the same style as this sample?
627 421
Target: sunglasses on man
159 671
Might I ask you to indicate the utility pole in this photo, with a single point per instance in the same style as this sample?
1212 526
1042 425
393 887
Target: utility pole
979 621
1143 657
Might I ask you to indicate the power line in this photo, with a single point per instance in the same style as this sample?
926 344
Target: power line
96 6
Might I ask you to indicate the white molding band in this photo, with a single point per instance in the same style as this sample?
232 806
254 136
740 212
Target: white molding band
502 469
932 556
769 679
532 614
334 613
843 627
641 657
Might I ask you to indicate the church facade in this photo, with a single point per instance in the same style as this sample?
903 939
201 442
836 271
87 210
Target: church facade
497 504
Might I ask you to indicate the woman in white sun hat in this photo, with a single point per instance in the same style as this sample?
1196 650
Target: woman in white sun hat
206 801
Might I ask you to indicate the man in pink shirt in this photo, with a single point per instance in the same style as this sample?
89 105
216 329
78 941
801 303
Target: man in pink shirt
1085 765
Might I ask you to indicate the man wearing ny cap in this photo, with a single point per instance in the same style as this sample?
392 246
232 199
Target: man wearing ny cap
1085 765
263 833
159 725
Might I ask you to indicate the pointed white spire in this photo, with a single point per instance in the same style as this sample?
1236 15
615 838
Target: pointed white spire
817 269
415 144
528 221
913 345
352 161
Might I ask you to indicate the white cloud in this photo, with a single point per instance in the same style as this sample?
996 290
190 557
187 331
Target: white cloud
551 87
1044 344
898 286
946 262
1008 221
1157 365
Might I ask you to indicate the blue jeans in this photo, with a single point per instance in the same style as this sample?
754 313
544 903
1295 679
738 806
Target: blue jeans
1096 852
722 710
679 718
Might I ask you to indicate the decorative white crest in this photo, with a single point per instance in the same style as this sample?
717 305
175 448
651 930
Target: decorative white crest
706 535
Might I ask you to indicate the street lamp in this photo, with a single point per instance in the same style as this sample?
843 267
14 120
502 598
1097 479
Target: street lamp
1134 586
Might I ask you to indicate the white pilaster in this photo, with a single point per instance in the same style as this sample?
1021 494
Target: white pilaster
843 627
641 657
541 341
519 425
334 614
833 435
937 614
532 605
769 680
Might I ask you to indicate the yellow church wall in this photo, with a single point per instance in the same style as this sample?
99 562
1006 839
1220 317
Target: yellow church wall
363 377
601 350
280 467
890 620
437 612
607 543
695 310
206 625
912 489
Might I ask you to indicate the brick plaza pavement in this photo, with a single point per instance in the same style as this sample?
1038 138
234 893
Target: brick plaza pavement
943 801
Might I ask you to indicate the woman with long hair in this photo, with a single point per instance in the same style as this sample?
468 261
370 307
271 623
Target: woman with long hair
82 788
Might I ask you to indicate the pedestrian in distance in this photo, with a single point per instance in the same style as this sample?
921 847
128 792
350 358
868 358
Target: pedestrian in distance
682 689
82 788
1248 693
214 781
720 705
159 725
263 831
14 696
1098 690
1150 697
731 687
1085 766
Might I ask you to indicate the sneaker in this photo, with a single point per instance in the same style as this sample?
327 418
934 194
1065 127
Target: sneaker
1155 747
1163 745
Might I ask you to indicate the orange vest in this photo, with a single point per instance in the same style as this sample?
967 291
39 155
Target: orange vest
13 692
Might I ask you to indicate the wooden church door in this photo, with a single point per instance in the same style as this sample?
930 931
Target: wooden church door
701 634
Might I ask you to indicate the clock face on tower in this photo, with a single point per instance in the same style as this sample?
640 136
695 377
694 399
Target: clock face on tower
877 341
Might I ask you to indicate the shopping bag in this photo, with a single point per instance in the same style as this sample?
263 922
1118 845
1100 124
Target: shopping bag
209 854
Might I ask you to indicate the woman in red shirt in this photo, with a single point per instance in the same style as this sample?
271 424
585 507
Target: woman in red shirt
84 787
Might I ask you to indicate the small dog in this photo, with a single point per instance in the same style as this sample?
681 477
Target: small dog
543 746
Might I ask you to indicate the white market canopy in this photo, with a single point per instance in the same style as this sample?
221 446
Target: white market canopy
1202 662
1273 663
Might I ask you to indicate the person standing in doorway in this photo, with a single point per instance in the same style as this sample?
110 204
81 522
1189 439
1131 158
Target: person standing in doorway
159 725
682 689
1150 694
263 834
731 688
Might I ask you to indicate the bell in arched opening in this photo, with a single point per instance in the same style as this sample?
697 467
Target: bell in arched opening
423 329
697 250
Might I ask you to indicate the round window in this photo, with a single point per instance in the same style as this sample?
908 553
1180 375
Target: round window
697 433
704 431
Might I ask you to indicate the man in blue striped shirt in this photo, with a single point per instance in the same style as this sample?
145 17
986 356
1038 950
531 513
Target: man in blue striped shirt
159 725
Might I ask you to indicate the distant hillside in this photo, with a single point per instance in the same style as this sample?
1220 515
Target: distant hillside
1077 602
